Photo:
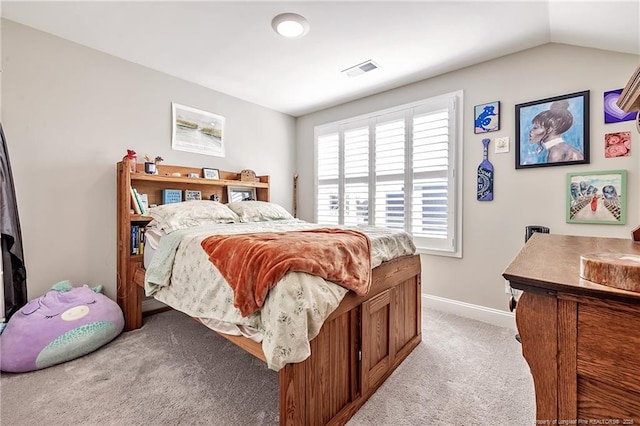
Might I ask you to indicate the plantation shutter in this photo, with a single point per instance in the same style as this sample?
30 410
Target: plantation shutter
430 215
327 205
395 169
356 176
390 173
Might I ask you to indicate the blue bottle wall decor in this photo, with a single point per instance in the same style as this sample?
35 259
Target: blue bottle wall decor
485 175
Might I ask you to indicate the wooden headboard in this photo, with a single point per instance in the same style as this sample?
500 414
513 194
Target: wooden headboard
129 294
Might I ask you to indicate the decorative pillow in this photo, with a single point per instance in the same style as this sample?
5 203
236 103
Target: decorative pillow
63 324
188 214
259 211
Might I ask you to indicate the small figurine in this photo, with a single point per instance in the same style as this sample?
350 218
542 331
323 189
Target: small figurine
132 158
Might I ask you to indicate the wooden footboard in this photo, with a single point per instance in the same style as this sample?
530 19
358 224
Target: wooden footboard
358 347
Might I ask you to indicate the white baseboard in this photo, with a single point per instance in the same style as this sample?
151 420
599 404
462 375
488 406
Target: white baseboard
467 310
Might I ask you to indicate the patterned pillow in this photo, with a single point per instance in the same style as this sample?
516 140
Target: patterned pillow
188 214
259 211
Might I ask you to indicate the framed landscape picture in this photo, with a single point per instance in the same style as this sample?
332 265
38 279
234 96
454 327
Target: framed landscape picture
597 197
197 131
553 131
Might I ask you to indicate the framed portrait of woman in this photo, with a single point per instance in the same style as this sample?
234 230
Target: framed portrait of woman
553 131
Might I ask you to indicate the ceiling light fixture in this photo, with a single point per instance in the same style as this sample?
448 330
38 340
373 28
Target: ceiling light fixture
290 25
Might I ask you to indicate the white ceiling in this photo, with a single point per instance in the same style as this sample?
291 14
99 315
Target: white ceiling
230 46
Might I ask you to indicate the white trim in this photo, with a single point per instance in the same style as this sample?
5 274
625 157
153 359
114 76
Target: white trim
467 310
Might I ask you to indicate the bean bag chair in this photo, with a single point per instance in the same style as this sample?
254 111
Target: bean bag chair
63 324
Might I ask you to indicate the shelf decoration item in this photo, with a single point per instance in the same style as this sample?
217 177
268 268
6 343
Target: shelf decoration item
192 195
132 159
240 193
210 173
171 196
247 175
485 175
150 165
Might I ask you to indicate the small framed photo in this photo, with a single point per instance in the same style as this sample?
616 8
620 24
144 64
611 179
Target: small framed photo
487 117
597 197
553 131
192 195
240 193
210 173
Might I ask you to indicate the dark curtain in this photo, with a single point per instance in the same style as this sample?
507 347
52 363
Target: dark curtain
14 271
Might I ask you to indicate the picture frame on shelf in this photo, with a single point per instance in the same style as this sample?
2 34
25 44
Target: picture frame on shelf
240 193
553 131
192 195
170 196
597 197
486 117
208 173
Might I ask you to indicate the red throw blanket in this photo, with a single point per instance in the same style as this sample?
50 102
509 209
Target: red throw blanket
252 264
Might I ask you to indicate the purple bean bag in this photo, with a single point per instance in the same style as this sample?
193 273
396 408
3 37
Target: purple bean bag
63 324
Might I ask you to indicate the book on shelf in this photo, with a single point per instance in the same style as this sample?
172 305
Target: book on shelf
171 196
135 242
137 239
141 204
144 200
134 202
141 232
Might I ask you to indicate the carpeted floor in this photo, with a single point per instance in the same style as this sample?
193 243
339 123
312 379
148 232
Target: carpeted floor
175 371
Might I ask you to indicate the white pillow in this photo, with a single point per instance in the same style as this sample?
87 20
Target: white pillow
188 214
259 211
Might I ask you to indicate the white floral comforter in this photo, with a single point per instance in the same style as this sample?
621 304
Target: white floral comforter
181 276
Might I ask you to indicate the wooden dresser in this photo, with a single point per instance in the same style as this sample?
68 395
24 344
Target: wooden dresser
580 339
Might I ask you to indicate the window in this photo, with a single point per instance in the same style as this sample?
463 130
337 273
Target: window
398 168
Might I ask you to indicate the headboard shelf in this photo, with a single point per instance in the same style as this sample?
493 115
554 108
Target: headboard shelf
197 181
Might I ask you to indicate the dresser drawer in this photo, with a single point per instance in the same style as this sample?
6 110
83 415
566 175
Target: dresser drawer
608 344
601 401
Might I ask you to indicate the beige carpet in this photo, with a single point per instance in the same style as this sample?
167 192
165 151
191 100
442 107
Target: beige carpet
174 371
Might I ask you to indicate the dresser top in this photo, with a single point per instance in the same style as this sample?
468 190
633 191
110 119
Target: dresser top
551 262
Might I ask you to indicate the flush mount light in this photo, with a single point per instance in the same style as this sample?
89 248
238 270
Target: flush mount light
290 25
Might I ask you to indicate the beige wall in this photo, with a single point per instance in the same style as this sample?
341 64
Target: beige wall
69 113
493 232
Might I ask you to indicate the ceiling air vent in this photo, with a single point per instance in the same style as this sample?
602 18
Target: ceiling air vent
356 70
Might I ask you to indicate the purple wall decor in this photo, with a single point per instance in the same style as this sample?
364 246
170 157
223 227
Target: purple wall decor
613 113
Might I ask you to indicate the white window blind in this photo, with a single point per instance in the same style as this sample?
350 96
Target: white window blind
327 206
356 176
397 168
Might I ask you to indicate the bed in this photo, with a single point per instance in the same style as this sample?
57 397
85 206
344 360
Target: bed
360 341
